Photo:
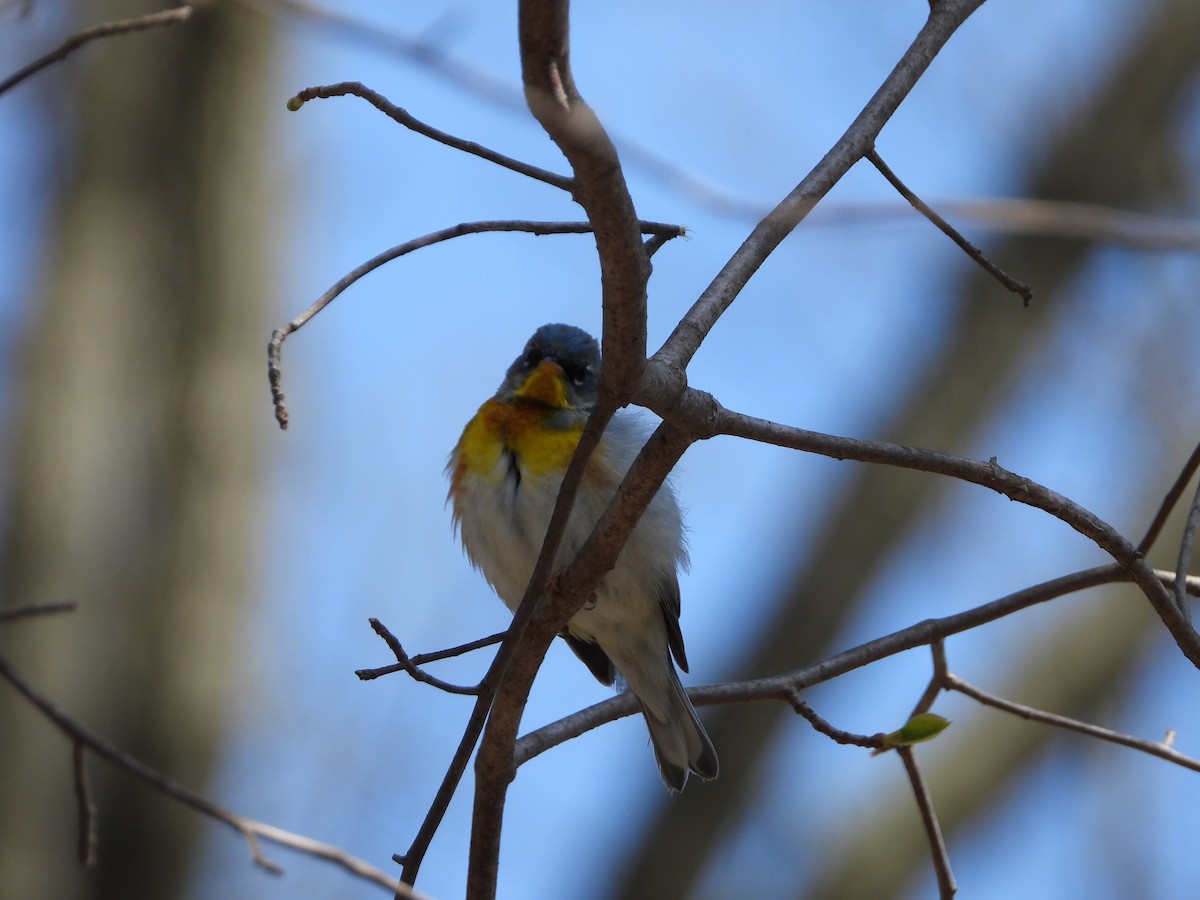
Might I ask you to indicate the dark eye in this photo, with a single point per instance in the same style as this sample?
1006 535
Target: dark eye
578 374
533 356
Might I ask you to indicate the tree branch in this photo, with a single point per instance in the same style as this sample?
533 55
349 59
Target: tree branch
1185 557
1160 749
403 117
782 687
1010 283
1169 501
944 19
599 187
834 734
405 663
13 613
1041 218
106 29
249 828
275 345
933 831
539 581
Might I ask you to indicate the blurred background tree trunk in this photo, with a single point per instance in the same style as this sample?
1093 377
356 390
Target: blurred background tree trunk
134 478
1116 152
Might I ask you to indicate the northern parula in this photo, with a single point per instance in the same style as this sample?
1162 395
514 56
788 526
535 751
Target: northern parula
505 475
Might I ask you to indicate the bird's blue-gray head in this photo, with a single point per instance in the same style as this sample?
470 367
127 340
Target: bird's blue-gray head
559 368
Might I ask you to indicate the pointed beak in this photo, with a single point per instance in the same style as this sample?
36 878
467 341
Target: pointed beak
545 385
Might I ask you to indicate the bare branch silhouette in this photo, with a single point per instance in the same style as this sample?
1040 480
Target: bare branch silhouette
275 345
1010 283
1162 749
933 831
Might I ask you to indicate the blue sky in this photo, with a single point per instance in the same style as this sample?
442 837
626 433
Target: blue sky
827 335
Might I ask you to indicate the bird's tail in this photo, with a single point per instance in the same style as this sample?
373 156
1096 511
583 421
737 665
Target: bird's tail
681 744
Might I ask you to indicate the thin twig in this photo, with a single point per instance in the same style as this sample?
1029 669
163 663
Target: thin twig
1169 501
85 807
835 734
403 117
1161 750
275 345
933 831
249 828
1017 287
1037 218
944 20
31 610
406 664
539 581
105 29
1052 218
421 658
655 242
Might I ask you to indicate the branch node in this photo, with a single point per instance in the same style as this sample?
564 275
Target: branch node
403 661
256 853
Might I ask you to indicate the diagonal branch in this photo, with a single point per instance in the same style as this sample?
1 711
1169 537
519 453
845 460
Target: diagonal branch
249 828
405 663
782 687
1160 749
161 19
29 611
495 765
1010 283
990 475
944 19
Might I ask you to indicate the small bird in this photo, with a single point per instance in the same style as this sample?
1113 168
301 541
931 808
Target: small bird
505 474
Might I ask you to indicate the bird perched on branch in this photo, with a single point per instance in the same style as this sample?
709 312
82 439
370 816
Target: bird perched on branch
505 475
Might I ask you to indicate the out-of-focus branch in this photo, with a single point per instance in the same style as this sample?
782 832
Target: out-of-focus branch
1038 218
31 610
1186 543
105 29
837 735
251 829
85 807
